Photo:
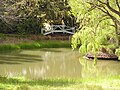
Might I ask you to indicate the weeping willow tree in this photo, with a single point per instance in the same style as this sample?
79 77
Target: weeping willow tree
99 25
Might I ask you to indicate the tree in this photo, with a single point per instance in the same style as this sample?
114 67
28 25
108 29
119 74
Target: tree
21 14
99 24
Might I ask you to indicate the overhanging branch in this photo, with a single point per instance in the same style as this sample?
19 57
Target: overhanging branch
117 3
110 8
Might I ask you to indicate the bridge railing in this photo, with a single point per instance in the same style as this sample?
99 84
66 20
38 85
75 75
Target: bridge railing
57 28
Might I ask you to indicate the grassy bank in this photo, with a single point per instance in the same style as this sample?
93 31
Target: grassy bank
36 45
109 83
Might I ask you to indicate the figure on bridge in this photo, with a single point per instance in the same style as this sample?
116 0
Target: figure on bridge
47 26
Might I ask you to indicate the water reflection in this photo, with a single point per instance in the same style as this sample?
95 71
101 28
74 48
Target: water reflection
36 64
51 63
104 68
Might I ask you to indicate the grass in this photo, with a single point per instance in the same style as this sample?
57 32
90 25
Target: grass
55 44
9 47
36 45
16 42
20 83
23 84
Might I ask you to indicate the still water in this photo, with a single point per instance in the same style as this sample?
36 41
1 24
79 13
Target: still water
51 63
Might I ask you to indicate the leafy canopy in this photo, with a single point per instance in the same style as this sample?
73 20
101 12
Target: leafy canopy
97 28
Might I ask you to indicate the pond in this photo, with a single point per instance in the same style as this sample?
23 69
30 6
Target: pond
54 62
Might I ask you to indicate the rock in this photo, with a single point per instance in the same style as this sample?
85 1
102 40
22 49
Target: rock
103 56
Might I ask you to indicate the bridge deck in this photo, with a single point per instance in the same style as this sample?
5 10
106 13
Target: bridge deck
58 29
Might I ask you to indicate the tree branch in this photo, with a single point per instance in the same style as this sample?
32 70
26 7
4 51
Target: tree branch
109 7
111 16
112 9
101 2
103 9
117 3
102 20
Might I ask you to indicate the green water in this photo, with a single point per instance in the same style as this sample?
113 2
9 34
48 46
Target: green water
51 63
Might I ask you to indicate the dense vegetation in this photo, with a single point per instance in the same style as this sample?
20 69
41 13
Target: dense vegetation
28 16
98 20
99 25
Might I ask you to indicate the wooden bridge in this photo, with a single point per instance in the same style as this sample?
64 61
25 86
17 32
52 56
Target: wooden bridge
57 29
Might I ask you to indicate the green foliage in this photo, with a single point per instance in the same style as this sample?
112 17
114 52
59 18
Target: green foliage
92 40
54 44
97 28
4 28
36 45
28 16
2 35
76 42
117 52
28 26
59 83
9 47
23 87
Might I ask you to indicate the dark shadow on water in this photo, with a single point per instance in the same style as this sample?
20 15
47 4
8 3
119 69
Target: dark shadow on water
5 62
50 50
15 57
10 52
25 55
101 59
18 59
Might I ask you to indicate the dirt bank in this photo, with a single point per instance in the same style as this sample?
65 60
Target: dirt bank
15 39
